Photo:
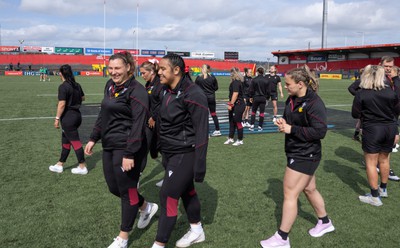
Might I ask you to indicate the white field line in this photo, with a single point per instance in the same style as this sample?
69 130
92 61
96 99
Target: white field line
95 116
47 95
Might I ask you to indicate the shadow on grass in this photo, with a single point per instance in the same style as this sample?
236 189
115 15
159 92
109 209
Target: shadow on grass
275 192
208 199
348 175
91 161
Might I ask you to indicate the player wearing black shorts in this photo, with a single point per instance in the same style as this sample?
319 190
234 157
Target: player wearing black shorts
236 106
70 97
378 106
275 85
304 125
209 84
183 144
259 93
246 87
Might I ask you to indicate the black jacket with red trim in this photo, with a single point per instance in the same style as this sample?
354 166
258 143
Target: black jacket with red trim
183 120
209 85
154 89
123 116
307 116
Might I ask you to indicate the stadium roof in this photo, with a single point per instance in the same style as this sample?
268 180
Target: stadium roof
395 48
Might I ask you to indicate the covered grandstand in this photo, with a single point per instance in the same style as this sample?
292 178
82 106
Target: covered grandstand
343 60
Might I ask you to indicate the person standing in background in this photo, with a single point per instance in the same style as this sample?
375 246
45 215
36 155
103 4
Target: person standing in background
209 84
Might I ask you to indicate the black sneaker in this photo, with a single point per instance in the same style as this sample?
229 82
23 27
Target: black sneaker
357 138
393 176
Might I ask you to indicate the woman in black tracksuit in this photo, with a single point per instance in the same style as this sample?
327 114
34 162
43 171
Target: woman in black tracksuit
236 106
70 97
259 94
209 84
378 107
246 87
121 127
149 71
183 141
304 125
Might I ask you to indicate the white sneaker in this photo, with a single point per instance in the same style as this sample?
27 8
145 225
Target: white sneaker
190 238
397 146
260 128
251 128
119 243
216 133
229 141
79 171
238 143
56 168
145 217
160 183
248 124
383 192
274 120
395 150
368 198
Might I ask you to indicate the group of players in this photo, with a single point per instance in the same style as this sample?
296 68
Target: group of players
169 116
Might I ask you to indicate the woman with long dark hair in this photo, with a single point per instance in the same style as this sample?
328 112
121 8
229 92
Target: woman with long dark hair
70 97
121 126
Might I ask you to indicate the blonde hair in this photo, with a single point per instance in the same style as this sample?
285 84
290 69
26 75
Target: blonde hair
373 77
305 75
205 71
236 75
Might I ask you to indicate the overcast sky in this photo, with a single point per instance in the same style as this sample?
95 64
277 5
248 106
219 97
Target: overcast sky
253 28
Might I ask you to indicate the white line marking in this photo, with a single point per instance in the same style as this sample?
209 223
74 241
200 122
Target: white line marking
40 118
46 95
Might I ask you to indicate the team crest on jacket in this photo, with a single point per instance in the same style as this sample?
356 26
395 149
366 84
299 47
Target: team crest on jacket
170 173
302 106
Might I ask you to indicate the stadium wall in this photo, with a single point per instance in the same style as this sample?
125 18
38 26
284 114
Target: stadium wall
51 59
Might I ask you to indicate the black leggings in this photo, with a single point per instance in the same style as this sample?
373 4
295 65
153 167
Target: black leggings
124 185
258 102
70 122
178 183
213 111
235 120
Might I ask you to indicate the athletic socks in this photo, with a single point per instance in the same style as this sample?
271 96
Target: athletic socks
196 228
283 234
324 219
375 192
383 185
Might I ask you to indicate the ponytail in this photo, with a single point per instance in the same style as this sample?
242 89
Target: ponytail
305 75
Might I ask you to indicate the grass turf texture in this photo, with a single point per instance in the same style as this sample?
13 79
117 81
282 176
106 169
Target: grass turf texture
241 196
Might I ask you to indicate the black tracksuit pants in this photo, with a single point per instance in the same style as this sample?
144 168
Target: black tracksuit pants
178 183
212 106
235 120
258 102
124 185
70 122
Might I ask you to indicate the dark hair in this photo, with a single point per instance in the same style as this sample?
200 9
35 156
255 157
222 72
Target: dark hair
127 58
176 60
246 70
386 59
260 70
68 75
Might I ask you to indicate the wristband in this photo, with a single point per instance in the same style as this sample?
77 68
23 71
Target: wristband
230 104
57 118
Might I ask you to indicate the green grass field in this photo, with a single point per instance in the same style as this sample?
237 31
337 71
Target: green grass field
241 196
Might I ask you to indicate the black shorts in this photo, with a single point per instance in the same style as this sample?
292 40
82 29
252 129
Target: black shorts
378 138
303 166
274 96
248 103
